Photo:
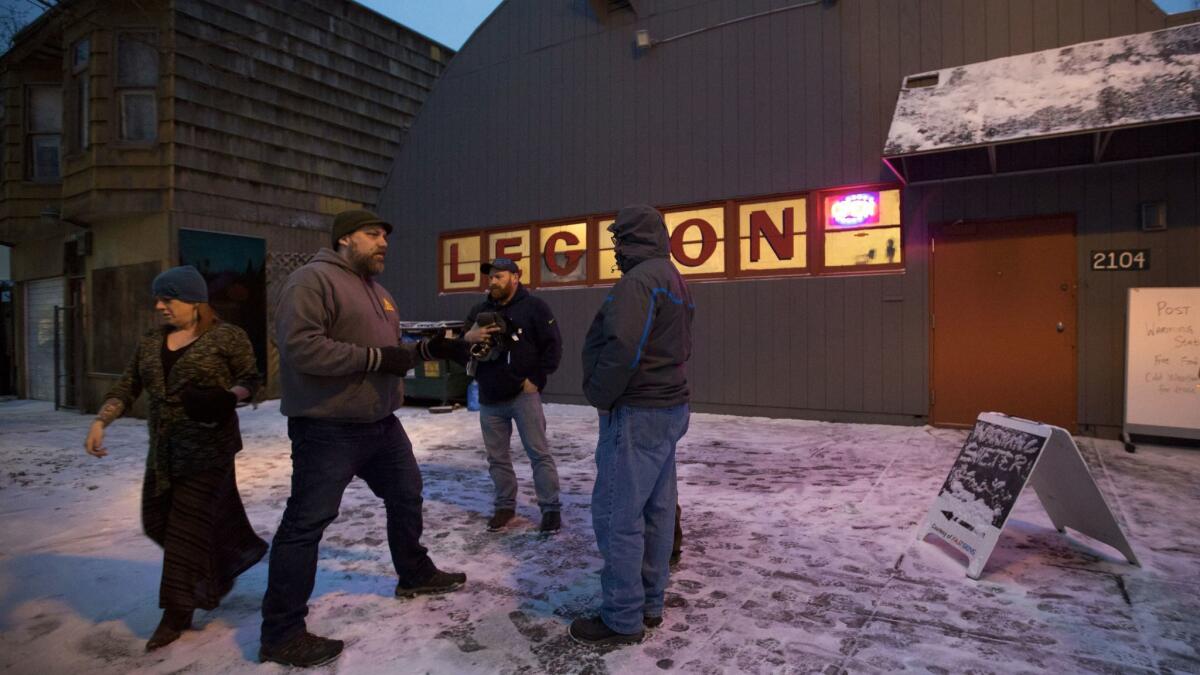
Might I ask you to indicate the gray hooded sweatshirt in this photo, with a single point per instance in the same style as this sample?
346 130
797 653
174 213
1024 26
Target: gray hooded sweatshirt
329 324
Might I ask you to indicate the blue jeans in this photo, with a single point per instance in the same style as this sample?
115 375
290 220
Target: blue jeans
496 421
326 456
633 510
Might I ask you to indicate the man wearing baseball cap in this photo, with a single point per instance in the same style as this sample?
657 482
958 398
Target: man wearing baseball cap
341 371
528 349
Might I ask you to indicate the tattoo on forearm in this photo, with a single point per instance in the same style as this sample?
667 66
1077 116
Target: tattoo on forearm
110 411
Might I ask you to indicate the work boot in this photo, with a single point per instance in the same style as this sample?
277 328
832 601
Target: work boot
302 651
172 625
499 519
593 631
652 622
438 582
551 522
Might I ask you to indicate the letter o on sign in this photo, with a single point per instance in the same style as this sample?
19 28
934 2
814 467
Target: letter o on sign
708 242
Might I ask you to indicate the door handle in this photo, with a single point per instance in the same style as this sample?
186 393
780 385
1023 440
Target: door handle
1060 327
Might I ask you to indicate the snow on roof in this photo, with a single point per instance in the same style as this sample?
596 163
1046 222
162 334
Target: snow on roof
1128 80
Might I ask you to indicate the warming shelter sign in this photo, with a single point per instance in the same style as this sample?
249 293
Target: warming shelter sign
983 485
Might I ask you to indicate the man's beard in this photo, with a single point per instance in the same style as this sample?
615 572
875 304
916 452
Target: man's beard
366 264
502 292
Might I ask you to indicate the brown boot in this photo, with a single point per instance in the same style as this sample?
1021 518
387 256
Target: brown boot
174 622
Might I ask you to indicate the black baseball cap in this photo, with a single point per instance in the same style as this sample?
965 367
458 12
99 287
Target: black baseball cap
507 264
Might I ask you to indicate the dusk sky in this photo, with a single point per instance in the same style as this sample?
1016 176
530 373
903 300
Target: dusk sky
450 22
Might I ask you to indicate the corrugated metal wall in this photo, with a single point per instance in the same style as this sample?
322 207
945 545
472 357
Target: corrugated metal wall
547 113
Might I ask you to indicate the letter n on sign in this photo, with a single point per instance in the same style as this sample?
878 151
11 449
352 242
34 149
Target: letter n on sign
771 236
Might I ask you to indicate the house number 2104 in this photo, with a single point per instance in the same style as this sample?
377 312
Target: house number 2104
1121 260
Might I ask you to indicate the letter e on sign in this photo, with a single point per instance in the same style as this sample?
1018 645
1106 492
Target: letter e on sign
515 244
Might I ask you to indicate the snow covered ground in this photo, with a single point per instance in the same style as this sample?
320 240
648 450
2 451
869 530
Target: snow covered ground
799 557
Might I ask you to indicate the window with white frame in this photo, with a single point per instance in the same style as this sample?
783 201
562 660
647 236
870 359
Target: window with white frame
137 86
44 133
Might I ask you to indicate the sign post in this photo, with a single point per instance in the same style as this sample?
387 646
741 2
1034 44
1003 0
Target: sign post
999 458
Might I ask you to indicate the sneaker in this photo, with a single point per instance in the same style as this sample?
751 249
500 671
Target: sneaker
499 519
438 582
652 621
302 651
551 522
593 631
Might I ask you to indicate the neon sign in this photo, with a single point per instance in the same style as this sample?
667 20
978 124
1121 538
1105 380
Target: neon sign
853 210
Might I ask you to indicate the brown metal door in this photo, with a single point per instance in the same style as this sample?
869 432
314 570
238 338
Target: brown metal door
1003 323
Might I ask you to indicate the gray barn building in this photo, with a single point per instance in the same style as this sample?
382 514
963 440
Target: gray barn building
839 273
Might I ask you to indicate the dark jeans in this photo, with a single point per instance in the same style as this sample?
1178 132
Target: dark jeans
326 456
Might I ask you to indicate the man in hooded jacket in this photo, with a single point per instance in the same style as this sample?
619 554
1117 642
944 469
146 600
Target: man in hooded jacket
634 374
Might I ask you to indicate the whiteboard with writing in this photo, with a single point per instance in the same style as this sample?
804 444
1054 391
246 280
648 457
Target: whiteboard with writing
1162 362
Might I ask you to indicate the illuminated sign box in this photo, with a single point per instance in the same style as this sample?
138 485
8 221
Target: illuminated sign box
460 260
834 231
563 250
862 230
772 235
697 240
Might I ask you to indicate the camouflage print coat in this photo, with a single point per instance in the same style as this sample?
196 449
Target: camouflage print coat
179 446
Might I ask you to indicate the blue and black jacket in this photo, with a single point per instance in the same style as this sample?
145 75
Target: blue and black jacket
636 348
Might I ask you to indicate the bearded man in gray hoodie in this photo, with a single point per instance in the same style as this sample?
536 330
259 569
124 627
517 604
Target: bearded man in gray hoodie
341 369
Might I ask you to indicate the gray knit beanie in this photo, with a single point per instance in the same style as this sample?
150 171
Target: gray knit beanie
181 283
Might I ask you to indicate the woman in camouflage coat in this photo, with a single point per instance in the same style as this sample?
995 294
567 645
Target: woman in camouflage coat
194 370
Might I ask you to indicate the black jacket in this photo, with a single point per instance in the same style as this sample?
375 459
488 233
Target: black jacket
534 355
635 350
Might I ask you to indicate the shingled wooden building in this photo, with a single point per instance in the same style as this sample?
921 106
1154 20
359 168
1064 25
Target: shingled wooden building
143 134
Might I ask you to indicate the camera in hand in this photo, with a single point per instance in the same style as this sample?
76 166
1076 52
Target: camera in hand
490 349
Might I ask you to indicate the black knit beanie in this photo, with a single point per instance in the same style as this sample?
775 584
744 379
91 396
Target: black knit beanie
347 222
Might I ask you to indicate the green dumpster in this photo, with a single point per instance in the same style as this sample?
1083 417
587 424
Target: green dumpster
441 381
